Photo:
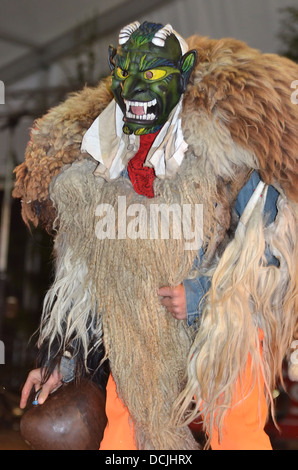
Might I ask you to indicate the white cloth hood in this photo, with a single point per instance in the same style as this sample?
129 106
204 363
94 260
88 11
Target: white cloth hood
107 144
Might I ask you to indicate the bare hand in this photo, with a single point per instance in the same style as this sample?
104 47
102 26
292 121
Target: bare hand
34 379
174 300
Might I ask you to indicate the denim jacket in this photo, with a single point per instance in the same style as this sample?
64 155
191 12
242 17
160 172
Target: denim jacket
195 289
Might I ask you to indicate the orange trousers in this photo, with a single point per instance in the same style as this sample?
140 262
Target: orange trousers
243 427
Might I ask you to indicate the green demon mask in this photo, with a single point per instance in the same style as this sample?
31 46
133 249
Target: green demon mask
150 72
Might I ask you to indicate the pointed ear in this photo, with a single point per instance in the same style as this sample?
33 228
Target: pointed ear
112 53
186 66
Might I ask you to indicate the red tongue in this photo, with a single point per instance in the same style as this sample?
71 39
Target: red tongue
138 110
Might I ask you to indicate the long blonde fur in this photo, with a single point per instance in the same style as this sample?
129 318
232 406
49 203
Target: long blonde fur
247 296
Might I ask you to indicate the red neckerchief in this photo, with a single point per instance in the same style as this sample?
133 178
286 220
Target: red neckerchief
142 177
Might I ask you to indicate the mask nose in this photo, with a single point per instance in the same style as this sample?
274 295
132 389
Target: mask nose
133 86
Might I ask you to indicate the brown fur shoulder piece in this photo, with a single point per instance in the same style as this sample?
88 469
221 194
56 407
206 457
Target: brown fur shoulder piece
249 93
233 88
55 142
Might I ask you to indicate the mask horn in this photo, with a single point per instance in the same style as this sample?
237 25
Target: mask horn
161 35
127 31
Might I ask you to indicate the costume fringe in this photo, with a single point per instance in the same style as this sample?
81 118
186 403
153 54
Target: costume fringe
115 283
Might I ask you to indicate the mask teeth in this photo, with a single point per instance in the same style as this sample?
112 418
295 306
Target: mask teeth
146 104
144 117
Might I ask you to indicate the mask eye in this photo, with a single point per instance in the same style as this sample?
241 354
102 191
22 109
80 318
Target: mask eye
154 74
122 74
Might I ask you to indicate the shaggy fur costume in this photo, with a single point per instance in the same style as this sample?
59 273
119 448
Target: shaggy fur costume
237 116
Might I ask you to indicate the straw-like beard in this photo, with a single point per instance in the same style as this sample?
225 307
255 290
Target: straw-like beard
119 281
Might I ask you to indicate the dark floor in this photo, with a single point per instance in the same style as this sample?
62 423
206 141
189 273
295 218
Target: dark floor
12 440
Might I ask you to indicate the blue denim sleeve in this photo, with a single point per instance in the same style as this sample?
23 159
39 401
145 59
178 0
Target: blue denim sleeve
270 209
195 289
67 369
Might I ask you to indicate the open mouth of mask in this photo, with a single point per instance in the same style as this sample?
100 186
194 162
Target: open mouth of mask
141 110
